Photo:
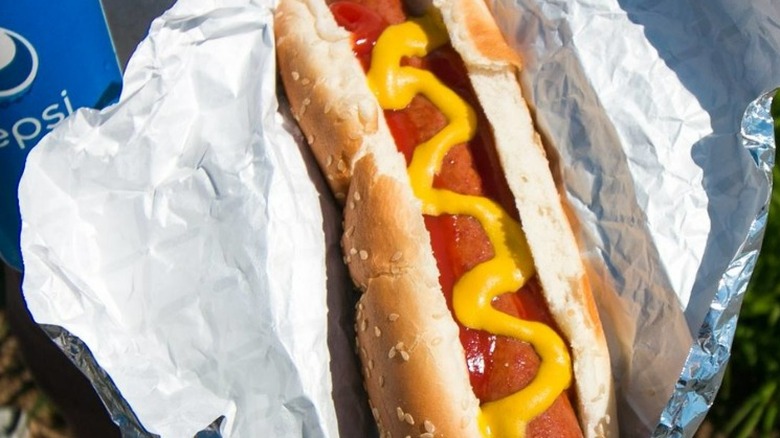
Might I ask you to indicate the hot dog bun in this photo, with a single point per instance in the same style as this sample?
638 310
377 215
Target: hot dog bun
414 366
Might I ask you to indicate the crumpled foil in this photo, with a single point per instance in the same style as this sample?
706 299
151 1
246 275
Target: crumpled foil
178 249
644 101
666 179
702 374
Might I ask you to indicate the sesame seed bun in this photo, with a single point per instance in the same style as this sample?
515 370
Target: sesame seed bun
413 362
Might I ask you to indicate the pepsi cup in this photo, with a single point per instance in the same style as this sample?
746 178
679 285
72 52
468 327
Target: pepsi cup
55 56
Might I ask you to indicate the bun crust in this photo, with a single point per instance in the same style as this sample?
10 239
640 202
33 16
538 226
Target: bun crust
412 358
413 361
325 86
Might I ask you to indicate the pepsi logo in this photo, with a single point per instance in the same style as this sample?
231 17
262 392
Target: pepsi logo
18 64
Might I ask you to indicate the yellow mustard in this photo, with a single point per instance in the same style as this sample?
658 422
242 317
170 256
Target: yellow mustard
395 86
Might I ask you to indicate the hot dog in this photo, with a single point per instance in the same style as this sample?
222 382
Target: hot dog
476 318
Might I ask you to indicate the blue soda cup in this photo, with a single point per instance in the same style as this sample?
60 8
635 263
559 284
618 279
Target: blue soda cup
55 56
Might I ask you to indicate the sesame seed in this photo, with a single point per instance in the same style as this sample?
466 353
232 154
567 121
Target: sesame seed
405 356
408 418
310 139
377 331
393 317
350 231
352 251
329 161
436 340
400 413
363 325
295 75
396 256
391 353
371 364
341 166
429 427
363 254
366 111
381 381
305 81
360 306
399 346
351 205
426 435
306 101
357 196
375 413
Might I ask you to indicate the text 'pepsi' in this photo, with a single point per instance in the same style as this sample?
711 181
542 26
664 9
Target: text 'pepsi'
55 57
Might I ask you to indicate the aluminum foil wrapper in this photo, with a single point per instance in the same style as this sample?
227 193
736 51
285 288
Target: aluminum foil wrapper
181 248
645 102
702 373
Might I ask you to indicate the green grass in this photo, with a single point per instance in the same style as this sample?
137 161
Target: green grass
748 402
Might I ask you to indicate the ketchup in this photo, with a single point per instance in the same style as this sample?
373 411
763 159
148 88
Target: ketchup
364 24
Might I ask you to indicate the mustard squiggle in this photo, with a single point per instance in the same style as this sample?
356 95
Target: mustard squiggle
395 86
